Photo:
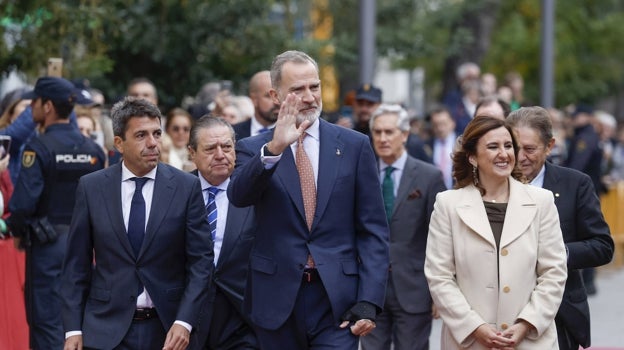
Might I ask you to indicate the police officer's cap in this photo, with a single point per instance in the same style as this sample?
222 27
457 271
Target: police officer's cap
368 92
583 108
58 90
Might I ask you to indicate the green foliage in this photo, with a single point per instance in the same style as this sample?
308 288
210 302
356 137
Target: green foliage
589 48
182 44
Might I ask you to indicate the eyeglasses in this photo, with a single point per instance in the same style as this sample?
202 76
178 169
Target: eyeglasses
177 128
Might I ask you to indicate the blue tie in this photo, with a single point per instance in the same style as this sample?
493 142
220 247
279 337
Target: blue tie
263 130
387 189
211 208
136 221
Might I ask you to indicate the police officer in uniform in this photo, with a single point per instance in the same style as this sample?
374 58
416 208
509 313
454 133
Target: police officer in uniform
43 201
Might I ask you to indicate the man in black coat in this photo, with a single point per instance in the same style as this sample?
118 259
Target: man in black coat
585 232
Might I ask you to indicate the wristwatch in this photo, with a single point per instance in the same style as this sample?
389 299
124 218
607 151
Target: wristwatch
266 152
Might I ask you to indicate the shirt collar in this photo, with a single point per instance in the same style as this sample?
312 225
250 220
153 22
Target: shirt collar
538 181
256 126
205 184
398 164
126 174
313 130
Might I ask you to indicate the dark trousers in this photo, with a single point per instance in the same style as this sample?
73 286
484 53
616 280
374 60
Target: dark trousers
145 334
228 329
44 263
408 331
311 326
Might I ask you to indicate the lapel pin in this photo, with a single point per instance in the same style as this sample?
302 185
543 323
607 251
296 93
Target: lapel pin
337 151
556 194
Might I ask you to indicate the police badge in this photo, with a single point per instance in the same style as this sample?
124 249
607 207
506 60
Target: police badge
28 159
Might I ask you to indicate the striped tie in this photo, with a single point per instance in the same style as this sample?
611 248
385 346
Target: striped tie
211 208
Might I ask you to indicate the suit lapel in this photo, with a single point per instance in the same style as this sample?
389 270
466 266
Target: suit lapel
551 179
111 191
521 211
164 189
471 211
236 219
406 183
289 177
330 156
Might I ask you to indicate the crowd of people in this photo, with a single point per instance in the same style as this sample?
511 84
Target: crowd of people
251 222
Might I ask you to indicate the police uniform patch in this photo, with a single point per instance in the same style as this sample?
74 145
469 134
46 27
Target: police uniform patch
28 159
581 145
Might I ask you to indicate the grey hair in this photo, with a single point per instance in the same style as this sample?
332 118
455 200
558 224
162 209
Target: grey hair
288 56
536 118
207 122
403 120
128 108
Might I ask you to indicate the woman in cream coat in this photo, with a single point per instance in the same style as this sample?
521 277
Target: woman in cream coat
496 287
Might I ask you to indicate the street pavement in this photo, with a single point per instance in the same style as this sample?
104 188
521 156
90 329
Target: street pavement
607 312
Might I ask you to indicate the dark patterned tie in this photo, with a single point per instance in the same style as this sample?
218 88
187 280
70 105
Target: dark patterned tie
387 189
211 209
308 188
306 176
136 221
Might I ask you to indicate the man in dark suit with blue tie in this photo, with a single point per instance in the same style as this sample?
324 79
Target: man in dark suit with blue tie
585 232
224 327
319 264
140 258
409 188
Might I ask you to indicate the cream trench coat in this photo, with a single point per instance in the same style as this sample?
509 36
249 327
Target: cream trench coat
461 266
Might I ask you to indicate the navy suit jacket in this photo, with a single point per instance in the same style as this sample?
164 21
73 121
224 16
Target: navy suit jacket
349 235
409 227
587 239
230 274
175 263
242 129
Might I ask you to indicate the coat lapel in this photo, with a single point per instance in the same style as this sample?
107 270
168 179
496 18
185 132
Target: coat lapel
521 211
164 190
471 211
111 191
406 183
330 156
289 177
236 219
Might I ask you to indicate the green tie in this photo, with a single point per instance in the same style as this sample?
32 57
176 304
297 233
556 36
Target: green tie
387 189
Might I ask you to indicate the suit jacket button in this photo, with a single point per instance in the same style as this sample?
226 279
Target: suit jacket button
504 326
506 289
504 252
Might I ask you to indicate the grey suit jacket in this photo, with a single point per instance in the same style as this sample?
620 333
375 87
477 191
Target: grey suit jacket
418 187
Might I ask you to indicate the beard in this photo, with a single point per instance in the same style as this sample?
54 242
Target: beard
312 116
270 115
